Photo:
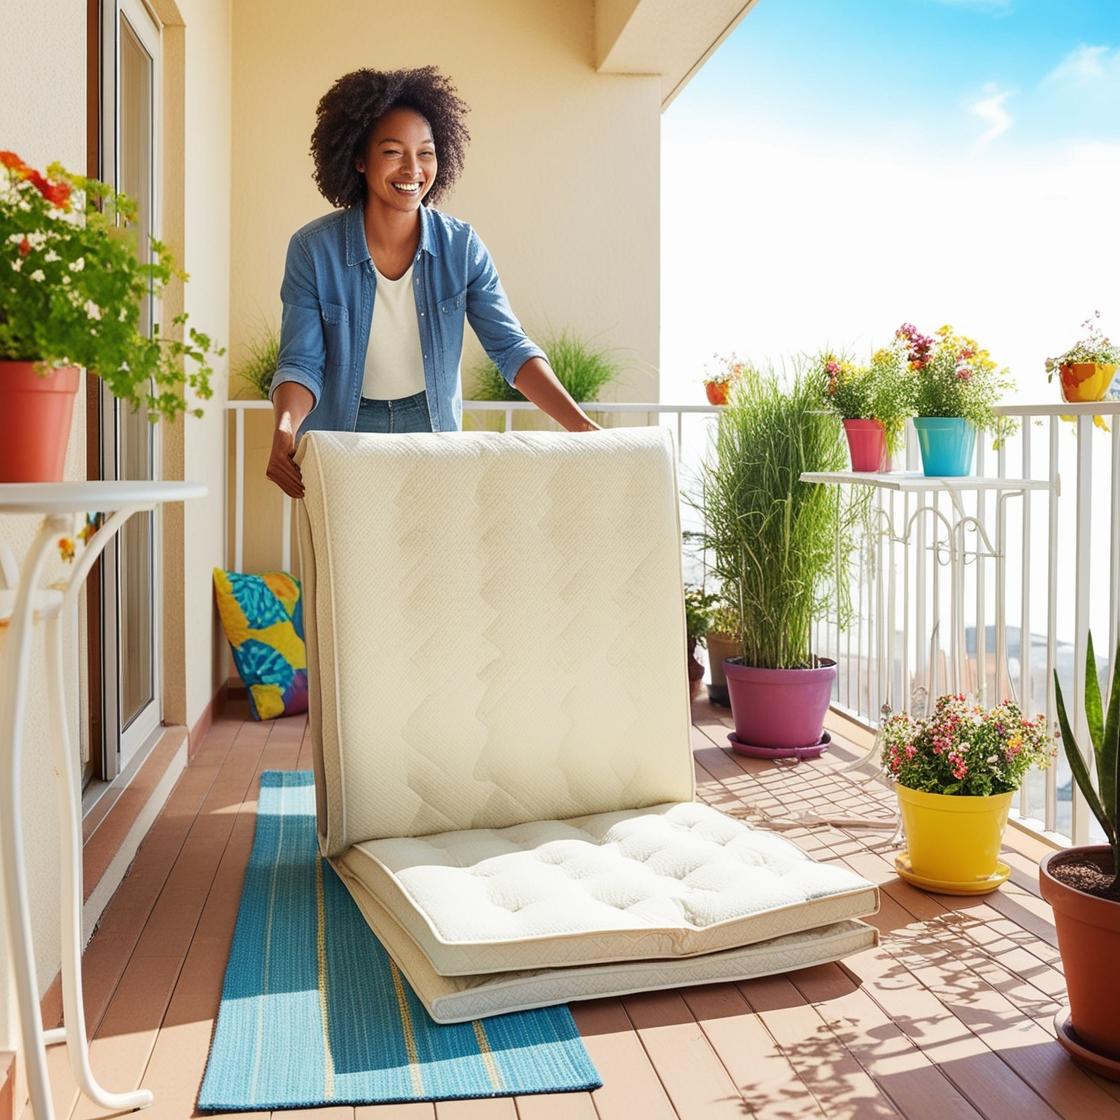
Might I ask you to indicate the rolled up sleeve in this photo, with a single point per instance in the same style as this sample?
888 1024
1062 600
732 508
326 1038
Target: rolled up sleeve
302 354
491 317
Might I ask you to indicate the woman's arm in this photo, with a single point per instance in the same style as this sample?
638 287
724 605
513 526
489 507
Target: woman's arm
536 381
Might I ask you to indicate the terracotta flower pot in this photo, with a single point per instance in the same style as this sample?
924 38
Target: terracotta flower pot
1085 381
695 671
1089 940
720 647
779 708
35 414
717 391
867 445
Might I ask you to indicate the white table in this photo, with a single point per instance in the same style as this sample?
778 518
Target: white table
22 604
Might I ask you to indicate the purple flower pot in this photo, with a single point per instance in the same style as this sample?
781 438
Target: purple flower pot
779 707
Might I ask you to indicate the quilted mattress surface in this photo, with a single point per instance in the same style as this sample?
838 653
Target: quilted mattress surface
495 628
454 999
672 881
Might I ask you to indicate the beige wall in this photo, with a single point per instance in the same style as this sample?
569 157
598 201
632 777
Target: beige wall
42 129
561 179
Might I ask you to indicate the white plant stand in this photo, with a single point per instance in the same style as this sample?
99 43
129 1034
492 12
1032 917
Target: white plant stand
952 550
22 603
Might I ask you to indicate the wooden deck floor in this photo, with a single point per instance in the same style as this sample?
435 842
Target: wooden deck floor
950 1017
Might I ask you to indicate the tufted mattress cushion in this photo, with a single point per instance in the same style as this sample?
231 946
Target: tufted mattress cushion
455 999
674 880
495 628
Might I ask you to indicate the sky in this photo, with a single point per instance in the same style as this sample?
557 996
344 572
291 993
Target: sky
838 167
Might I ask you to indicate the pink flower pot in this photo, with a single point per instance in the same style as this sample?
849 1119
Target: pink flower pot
779 707
35 414
867 445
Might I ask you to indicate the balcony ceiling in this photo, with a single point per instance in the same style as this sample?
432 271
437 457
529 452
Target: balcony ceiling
670 38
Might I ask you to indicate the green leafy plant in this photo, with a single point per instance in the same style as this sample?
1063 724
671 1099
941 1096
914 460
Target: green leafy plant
880 391
777 542
725 621
72 286
699 607
953 376
259 364
580 367
965 749
1104 733
1095 347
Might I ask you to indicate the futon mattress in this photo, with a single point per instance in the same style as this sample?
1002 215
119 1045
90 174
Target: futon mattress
455 999
676 880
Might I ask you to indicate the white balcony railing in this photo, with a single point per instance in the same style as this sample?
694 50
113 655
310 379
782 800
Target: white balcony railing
1039 572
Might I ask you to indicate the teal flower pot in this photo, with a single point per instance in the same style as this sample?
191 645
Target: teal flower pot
947 444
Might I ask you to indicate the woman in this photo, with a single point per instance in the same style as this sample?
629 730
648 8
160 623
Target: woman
375 293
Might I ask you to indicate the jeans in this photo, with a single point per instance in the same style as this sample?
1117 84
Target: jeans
405 414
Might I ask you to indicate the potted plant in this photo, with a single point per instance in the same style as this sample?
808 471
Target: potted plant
777 542
698 607
259 364
873 401
583 370
1082 884
956 387
954 774
717 385
722 641
1085 371
72 287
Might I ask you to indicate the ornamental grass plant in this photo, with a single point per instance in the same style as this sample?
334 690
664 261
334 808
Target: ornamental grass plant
964 749
73 281
777 543
581 368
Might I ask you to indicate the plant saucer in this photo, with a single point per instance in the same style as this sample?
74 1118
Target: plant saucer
937 886
800 753
1079 1052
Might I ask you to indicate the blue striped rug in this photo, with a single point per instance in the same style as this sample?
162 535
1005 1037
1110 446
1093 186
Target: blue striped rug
314 1012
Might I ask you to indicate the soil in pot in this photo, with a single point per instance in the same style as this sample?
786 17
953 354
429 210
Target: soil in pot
1087 876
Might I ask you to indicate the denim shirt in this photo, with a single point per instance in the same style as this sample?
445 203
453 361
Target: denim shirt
328 292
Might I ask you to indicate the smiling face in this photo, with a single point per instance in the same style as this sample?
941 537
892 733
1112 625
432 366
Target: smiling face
400 160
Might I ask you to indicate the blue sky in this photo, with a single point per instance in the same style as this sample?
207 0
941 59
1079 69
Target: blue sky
933 75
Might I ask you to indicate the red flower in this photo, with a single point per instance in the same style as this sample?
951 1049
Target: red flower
56 193
12 161
24 247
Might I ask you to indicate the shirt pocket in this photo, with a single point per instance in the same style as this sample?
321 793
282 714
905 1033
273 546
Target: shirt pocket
450 318
336 334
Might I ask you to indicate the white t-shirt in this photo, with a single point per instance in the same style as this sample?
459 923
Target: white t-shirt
394 361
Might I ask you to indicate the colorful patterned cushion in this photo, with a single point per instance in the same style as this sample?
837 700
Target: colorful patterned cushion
263 619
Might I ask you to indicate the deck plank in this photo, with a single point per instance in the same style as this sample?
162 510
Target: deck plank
947 1019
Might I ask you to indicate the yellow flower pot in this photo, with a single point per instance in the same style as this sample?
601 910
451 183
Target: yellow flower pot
1085 381
953 843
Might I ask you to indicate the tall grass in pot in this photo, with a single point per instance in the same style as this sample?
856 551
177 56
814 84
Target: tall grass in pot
778 545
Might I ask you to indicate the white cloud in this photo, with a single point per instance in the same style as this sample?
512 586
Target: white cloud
1085 66
991 108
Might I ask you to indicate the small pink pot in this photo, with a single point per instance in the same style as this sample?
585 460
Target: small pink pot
867 445
779 707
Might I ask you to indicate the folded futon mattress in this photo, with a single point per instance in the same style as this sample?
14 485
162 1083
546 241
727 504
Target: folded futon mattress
501 730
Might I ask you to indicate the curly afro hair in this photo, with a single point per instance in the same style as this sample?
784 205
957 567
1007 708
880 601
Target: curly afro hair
348 111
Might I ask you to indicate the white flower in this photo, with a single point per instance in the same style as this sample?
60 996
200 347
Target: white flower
38 274
51 255
78 265
18 265
92 310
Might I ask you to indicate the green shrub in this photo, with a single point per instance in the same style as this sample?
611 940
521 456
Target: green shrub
259 365
581 368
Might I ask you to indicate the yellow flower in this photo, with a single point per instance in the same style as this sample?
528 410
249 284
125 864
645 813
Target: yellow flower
66 549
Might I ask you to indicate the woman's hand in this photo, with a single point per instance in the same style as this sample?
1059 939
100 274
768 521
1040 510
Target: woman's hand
291 403
282 468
